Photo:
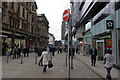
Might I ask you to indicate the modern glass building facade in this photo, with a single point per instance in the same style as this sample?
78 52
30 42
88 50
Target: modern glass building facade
96 33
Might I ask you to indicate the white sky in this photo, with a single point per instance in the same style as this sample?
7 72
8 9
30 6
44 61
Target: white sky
53 9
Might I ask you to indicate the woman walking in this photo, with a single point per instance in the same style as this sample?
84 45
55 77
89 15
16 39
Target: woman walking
45 58
108 63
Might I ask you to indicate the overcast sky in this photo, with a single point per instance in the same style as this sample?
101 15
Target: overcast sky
53 9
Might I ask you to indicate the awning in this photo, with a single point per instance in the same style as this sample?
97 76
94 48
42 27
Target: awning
81 43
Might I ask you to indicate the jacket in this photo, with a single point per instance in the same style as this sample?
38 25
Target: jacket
95 52
46 57
109 60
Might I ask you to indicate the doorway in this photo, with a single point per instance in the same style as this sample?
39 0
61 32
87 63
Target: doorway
100 49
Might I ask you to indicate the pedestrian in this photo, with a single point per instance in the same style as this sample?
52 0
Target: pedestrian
35 49
9 51
77 50
15 52
50 52
93 53
19 52
45 59
60 50
108 63
27 51
3 51
38 50
53 51
24 51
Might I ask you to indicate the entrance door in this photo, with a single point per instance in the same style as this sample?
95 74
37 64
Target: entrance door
100 49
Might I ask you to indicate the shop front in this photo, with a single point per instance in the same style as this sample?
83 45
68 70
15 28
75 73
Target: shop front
20 42
88 44
10 39
103 43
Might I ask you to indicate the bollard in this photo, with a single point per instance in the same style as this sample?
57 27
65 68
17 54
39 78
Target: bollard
36 58
7 58
72 62
66 59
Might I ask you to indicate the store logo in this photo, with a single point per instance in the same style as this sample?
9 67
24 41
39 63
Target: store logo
109 24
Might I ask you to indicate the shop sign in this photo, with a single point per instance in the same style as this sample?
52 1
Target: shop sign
109 24
108 43
105 37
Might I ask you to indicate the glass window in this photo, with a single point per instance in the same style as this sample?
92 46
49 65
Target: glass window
11 5
88 26
117 5
102 14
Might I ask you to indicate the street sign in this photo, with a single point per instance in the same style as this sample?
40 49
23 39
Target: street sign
66 15
109 24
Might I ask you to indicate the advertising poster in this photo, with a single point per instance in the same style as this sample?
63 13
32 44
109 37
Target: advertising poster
108 43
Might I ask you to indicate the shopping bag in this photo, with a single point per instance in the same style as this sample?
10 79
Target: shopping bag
50 65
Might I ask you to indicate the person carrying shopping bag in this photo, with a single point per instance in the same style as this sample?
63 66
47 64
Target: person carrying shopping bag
108 63
45 59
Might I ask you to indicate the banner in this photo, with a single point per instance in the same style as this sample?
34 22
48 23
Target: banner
108 43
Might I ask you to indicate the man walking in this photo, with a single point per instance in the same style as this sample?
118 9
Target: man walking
93 53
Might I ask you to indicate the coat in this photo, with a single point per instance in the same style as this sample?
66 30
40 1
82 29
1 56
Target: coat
95 52
109 60
46 57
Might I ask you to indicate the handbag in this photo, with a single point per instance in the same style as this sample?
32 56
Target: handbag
50 65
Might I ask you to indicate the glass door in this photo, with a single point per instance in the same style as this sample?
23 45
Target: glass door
100 49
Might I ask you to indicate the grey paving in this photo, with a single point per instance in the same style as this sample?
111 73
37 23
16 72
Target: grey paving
29 69
99 68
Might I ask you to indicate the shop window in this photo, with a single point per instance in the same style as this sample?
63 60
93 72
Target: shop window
11 19
88 26
33 8
117 5
27 4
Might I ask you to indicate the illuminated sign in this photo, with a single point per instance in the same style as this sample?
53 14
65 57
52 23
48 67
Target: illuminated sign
105 37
